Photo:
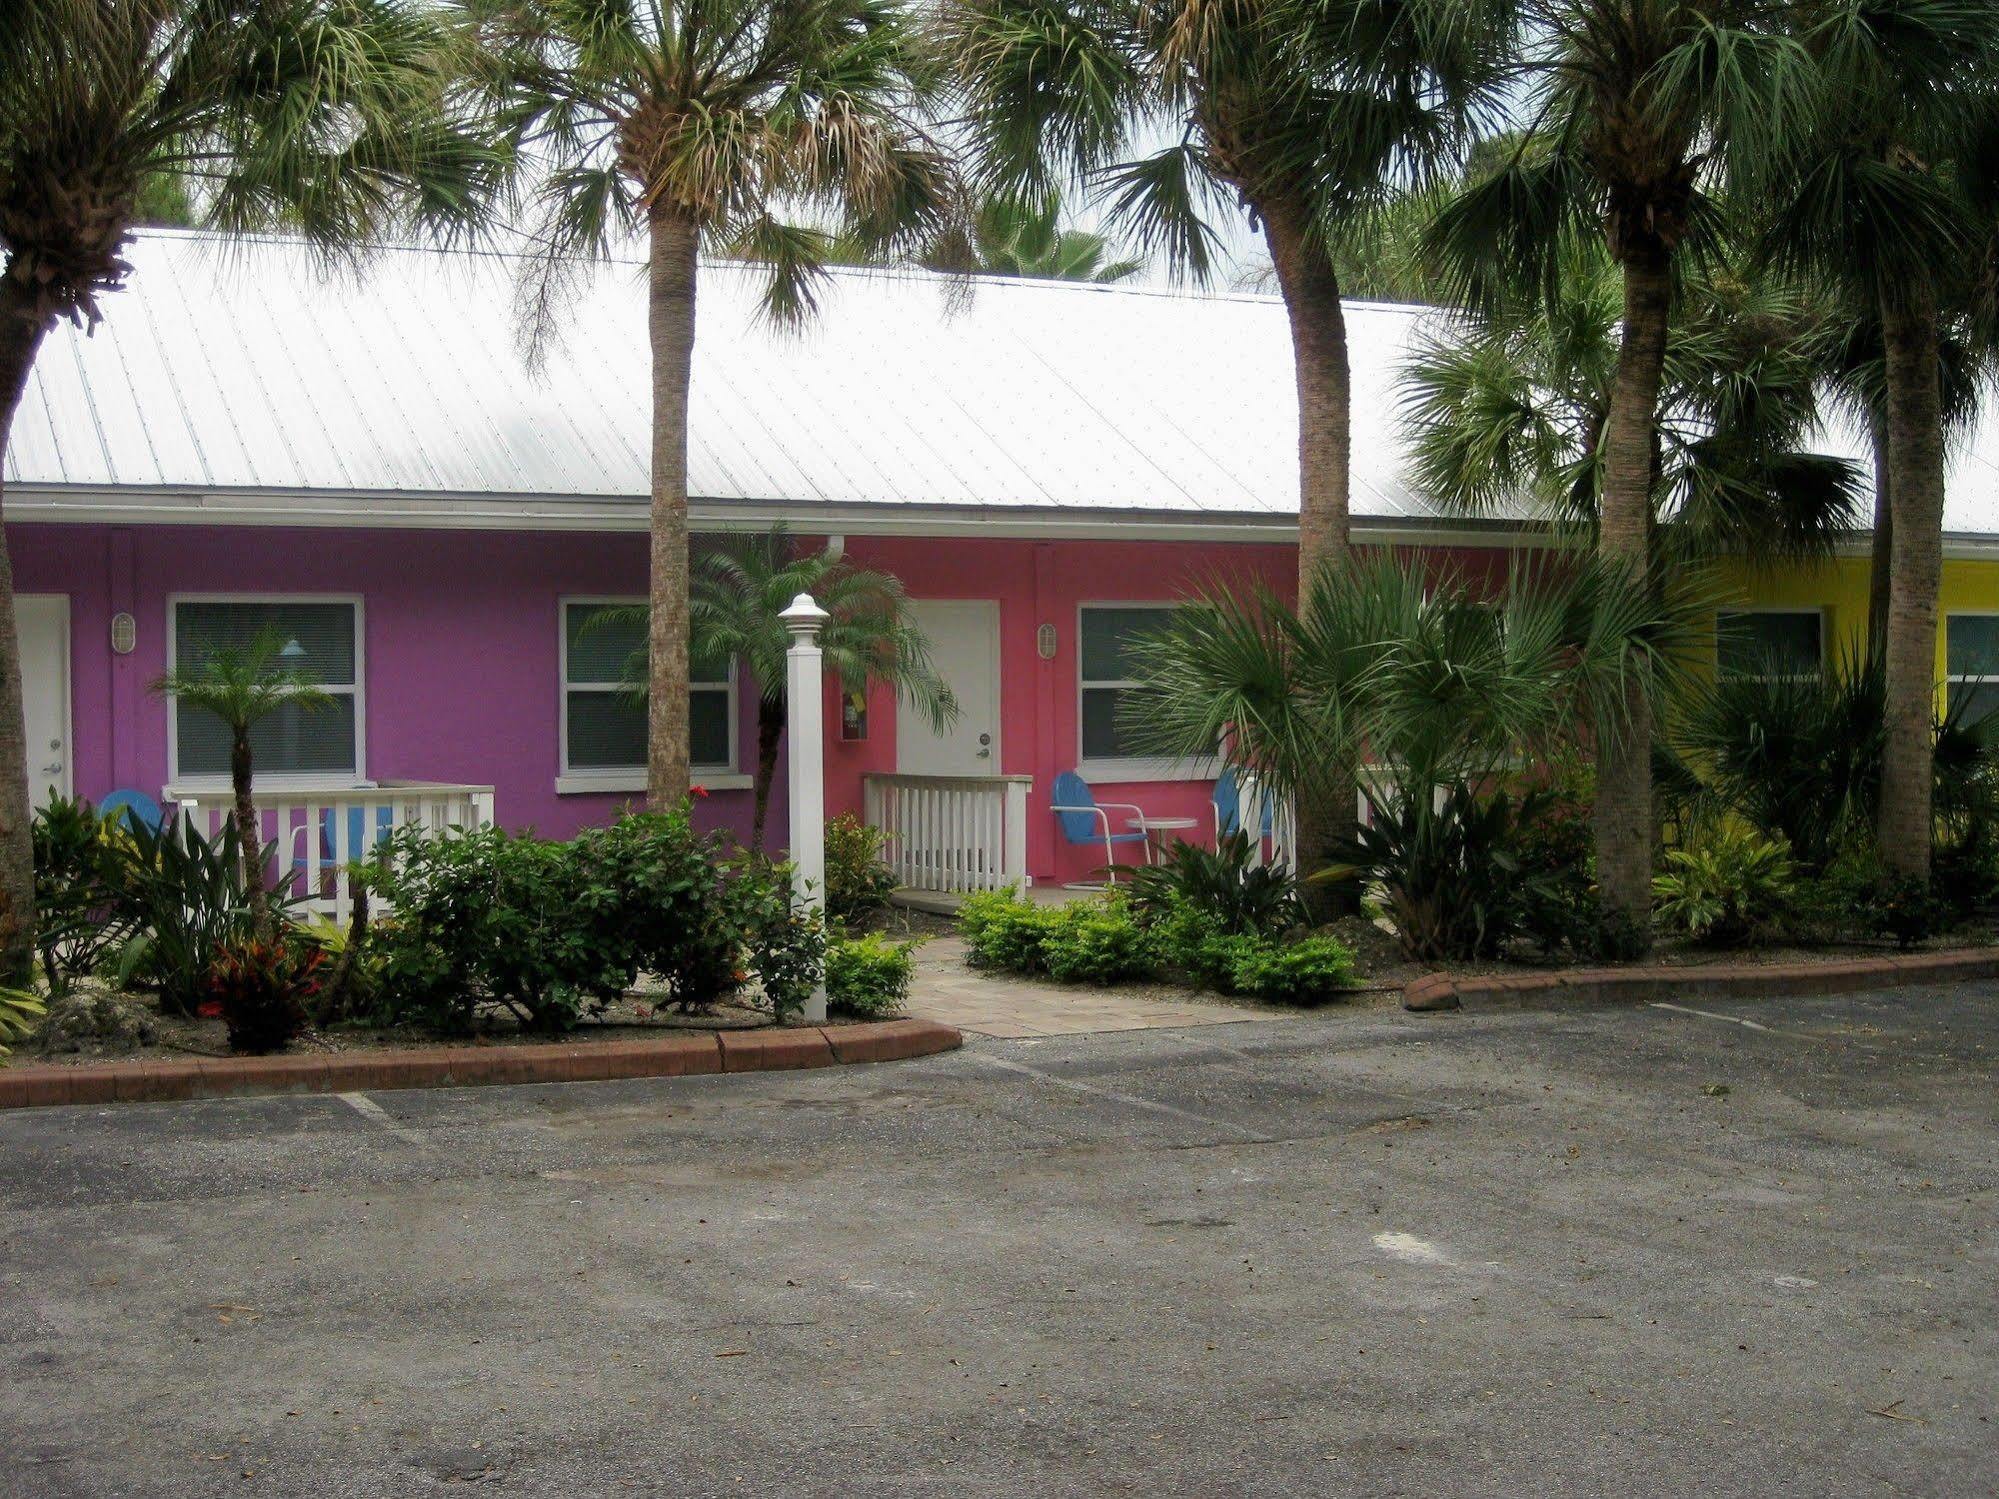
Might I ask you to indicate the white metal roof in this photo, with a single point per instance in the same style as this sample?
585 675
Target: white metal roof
232 368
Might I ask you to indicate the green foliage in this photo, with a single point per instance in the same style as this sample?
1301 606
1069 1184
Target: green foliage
857 881
785 945
265 990
654 897
1308 971
1243 897
1558 907
1448 869
21 1011
1907 908
1725 888
868 976
1093 941
183 897
488 918
81 869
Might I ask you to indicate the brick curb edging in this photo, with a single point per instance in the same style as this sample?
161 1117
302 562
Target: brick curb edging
1438 991
470 1066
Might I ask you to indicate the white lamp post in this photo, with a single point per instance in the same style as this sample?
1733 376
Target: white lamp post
804 702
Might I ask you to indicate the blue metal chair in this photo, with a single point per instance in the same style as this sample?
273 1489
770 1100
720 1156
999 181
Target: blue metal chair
135 807
358 845
1085 820
1228 805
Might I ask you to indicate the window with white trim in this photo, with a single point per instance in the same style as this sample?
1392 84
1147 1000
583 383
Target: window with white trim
1773 644
1104 636
1971 662
321 638
604 721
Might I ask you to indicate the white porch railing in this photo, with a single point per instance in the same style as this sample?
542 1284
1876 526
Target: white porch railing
951 833
319 833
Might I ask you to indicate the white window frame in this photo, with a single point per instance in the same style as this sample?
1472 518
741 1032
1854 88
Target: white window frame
1123 769
277 781
1817 611
1951 679
618 778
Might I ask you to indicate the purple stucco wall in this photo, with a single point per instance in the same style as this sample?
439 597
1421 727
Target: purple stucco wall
460 644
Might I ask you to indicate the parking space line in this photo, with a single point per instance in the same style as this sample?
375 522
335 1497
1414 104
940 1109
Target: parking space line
374 1113
1129 1100
1748 1025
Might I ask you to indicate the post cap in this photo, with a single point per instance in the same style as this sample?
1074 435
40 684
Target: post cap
804 617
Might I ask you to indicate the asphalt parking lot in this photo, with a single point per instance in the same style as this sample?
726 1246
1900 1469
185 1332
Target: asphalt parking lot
1606 1251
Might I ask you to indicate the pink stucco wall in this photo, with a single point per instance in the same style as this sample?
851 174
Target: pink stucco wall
461 648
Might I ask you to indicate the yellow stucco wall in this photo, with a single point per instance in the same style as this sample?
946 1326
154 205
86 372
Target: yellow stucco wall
1839 588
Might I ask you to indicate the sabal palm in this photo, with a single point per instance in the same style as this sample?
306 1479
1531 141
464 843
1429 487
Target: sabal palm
326 117
1631 102
1010 238
1306 116
243 687
707 121
1510 406
1890 190
1435 682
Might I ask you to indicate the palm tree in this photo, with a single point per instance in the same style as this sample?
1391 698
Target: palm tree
243 687
1630 103
1510 406
1306 117
1444 687
322 116
1890 190
1011 238
704 121
740 591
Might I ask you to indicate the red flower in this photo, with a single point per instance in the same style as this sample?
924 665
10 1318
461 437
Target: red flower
700 791
209 1009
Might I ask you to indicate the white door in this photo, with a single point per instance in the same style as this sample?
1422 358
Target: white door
964 647
43 620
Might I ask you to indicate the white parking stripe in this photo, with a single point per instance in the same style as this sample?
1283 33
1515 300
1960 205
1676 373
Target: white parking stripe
1748 1025
368 1109
1130 1100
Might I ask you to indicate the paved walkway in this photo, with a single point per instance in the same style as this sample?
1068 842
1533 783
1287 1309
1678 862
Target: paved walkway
947 989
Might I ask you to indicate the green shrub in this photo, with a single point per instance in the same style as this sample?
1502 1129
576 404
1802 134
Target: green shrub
783 945
1448 869
1240 895
486 918
183 897
857 881
1096 942
655 897
1084 941
1309 971
264 991
1725 888
1003 930
1557 903
1907 908
868 976
81 869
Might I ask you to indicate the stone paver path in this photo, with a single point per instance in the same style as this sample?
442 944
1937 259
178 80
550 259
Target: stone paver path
949 990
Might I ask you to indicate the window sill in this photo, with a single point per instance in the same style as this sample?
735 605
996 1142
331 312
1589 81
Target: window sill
605 783
1129 771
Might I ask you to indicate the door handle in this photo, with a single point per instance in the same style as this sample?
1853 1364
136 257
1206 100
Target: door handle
52 770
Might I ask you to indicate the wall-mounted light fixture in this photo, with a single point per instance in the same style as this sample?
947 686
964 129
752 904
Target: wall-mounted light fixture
124 634
1044 642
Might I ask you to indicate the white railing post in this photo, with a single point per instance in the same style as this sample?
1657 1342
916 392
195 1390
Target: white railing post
1013 866
805 721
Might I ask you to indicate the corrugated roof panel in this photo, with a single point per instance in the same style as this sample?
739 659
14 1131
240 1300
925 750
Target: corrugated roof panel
240 365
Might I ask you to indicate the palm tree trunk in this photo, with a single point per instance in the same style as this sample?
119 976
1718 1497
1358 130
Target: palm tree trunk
20 336
249 834
1625 824
676 241
1879 566
770 734
1311 288
1915 573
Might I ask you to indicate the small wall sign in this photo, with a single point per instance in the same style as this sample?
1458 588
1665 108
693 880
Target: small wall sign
1045 642
124 633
